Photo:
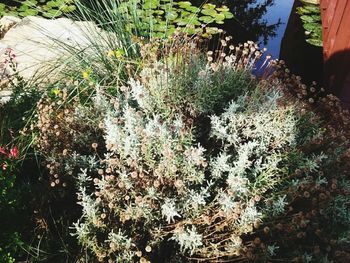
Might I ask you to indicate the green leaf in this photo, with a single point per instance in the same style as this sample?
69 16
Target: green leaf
29 12
228 15
52 4
312 8
209 12
308 19
159 12
30 2
68 8
209 6
190 20
184 4
206 19
303 11
172 15
315 42
316 18
193 9
151 4
310 26
189 30
223 9
220 17
52 13
23 8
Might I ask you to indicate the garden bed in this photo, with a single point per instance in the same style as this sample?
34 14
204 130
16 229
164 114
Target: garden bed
159 148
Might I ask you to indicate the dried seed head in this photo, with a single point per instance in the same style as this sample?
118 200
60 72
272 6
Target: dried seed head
148 249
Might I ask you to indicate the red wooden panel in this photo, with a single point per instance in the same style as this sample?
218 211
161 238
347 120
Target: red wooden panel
341 37
335 23
336 46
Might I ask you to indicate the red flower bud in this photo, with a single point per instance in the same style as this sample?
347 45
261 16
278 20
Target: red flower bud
14 152
3 151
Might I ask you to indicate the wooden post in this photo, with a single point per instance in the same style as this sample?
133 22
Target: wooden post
336 47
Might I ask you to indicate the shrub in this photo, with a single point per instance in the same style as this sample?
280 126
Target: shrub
178 154
188 153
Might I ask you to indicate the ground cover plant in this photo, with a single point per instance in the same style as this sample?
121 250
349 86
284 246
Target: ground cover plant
164 150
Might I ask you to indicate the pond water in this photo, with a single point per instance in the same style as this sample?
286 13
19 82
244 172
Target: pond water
278 13
274 25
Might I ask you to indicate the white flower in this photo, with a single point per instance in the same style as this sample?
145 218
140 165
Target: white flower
189 239
272 250
220 165
197 199
278 205
249 215
195 155
227 203
237 184
140 94
169 211
119 241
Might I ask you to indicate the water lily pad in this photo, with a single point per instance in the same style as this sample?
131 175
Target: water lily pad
206 19
30 2
209 6
68 8
29 12
310 26
209 12
171 15
307 19
52 13
228 15
151 4
315 42
53 4
184 4
223 9
23 8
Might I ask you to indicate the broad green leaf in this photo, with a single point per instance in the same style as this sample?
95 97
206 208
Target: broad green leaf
209 6
223 9
228 15
184 4
29 12
52 13
172 15
67 9
209 12
206 19
307 19
315 42
52 4
23 8
30 2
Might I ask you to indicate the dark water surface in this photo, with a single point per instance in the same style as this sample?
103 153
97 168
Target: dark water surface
278 13
9 2
274 25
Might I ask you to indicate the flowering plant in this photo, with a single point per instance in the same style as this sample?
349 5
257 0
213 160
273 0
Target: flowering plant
8 158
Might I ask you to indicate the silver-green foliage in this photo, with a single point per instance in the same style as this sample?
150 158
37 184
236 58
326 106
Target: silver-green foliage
156 183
